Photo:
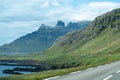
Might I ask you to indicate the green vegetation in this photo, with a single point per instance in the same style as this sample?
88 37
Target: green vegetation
95 45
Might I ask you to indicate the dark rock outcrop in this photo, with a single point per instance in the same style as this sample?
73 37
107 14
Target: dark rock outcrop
8 71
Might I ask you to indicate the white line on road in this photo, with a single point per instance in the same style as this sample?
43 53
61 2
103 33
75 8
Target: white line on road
90 68
52 78
108 77
118 71
106 64
100 66
75 72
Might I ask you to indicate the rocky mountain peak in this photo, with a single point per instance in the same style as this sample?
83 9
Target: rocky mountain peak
73 25
43 26
60 23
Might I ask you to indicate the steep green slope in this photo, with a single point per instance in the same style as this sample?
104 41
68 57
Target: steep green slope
97 42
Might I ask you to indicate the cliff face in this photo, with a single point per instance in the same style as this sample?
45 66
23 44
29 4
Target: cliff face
39 40
102 22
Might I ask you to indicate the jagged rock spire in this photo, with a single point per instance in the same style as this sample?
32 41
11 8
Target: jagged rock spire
60 23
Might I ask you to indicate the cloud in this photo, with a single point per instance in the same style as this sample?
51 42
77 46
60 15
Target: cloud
45 5
90 10
86 11
19 17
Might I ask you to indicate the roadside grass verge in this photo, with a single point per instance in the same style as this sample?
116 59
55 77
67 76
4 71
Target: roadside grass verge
89 62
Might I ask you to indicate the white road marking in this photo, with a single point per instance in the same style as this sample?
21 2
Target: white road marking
90 68
106 64
118 71
100 66
52 78
75 72
108 77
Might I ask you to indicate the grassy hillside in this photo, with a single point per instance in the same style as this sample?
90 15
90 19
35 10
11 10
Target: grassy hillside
103 48
97 44
98 41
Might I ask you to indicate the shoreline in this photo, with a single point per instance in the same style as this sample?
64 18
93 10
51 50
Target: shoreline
24 65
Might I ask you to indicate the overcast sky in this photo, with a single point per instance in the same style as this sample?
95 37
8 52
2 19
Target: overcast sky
19 17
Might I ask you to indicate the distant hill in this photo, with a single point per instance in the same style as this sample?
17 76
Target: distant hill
41 39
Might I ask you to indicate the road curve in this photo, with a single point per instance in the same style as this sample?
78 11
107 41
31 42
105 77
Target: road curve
103 72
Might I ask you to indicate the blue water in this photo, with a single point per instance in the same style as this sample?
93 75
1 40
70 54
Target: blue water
10 67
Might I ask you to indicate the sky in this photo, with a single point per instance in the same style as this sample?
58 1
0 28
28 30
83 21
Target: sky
19 17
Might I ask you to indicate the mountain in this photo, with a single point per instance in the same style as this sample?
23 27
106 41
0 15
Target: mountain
41 39
60 24
97 44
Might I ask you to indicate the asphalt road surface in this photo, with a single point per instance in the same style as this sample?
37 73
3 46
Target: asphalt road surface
102 72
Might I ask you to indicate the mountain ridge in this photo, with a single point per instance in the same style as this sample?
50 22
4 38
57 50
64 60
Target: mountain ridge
39 40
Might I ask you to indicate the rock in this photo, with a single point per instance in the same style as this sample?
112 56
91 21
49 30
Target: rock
8 71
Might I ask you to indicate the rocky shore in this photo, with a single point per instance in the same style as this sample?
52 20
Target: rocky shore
24 65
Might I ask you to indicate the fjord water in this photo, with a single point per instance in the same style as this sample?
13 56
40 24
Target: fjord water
3 67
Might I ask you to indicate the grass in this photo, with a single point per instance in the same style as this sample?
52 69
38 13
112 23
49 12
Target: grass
92 62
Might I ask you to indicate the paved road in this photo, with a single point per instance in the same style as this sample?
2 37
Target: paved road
103 72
